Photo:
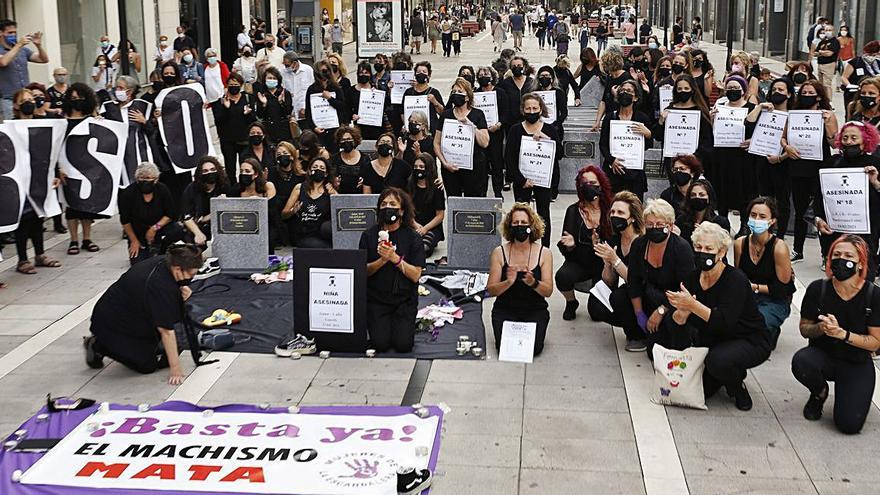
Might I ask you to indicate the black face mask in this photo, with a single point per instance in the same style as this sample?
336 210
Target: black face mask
868 101
532 118
521 233
468 78
414 128
681 178
517 71
698 204
664 71
778 98
705 261
245 180
698 64
378 67
146 186
420 174
347 146
255 139
389 215
421 78
283 161
545 81
677 69
209 177
851 150
842 269
184 282
318 175
619 224
484 81
169 80
234 90
78 105
589 192
39 101
457 99
384 149
334 68
807 101
682 96
270 44
400 66
799 78
733 94
326 74
27 108
363 78
657 234
624 99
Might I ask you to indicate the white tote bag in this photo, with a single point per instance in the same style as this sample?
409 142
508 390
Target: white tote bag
678 377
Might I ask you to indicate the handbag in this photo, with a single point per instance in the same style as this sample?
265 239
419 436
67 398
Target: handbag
678 377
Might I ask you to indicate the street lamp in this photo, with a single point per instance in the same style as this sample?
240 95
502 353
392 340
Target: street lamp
123 36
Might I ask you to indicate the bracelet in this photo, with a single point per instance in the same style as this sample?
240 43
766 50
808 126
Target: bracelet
399 261
617 263
846 337
157 227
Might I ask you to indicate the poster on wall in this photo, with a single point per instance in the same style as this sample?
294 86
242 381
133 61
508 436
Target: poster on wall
379 24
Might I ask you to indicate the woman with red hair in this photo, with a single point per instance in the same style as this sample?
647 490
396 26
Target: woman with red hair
855 140
586 224
840 316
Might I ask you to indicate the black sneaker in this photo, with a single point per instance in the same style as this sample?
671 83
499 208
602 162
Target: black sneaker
796 256
299 343
741 397
94 359
814 405
570 310
210 268
410 481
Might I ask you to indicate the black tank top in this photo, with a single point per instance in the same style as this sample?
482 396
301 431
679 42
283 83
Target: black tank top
521 297
764 271
313 212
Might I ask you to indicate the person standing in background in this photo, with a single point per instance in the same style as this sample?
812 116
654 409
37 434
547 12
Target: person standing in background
516 27
827 51
164 52
183 42
416 32
847 50
336 36
14 58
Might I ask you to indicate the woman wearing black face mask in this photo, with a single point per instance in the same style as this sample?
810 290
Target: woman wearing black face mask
385 170
698 208
325 87
394 265
735 178
146 211
800 73
422 87
252 183
586 225
308 209
353 99
660 261
626 221
685 96
210 182
487 79
532 109
233 115
702 72
521 275
287 173
260 146
429 201
626 176
460 182
685 168
417 138
348 162
714 308
517 86
171 77
841 318
854 140
866 108
547 83
615 75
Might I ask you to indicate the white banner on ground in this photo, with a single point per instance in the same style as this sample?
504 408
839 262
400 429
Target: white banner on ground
457 144
415 103
806 130
845 194
42 139
268 453
627 145
92 159
517 341
331 300
730 126
15 178
767 138
487 101
549 98
681 132
323 114
371 107
536 160
183 125
402 80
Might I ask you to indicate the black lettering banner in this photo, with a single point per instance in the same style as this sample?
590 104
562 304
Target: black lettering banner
183 125
42 140
137 149
14 178
92 159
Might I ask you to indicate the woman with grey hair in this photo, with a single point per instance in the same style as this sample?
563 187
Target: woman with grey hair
714 308
487 80
418 138
216 73
146 210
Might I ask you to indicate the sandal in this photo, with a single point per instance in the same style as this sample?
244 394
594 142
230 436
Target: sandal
73 248
26 267
90 246
43 260
3 285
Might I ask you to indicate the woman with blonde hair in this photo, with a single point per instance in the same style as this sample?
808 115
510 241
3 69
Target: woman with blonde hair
521 274
613 67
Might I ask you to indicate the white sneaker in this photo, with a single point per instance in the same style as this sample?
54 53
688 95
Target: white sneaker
209 269
298 343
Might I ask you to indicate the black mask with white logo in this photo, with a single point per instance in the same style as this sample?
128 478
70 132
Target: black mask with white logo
521 233
384 149
657 234
389 215
842 269
705 261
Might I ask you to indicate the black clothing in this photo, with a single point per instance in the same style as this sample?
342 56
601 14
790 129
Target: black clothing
143 215
677 34
468 183
232 123
541 195
338 102
735 178
828 44
764 271
610 83
705 143
851 315
312 214
275 114
514 96
284 183
541 318
623 314
388 285
633 180
566 82
426 208
804 175
651 283
353 100
30 226
674 197
268 160
196 203
686 226
585 76
181 44
581 262
426 145
348 174
397 176
433 116
519 296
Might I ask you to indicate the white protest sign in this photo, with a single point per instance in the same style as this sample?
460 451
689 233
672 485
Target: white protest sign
806 130
627 145
602 292
457 144
371 107
323 114
549 98
681 132
92 159
240 452
183 125
536 160
42 140
845 194
767 138
517 341
487 101
15 177
331 300
730 126
402 80
665 96
416 103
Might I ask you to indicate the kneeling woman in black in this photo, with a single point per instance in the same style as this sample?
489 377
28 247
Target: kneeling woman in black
308 208
714 308
699 207
840 316
394 266
521 274
429 201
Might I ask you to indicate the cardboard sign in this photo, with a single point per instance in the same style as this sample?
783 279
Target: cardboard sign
457 144
518 341
845 194
536 160
681 133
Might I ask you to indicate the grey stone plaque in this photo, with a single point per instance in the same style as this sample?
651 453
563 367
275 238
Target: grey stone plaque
591 93
240 231
472 226
580 148
351 215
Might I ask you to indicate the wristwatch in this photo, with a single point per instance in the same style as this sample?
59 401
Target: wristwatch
661 310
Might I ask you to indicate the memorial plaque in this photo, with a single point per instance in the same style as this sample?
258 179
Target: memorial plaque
580 148
240 231
472 224
592 93
356 219
239 222
351 215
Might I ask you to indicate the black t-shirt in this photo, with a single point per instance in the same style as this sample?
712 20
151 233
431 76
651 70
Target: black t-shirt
397 176
56 98
388 285
610 83
141 214
144 298
828 44
348 174
479 119
284 182
195 202
677 34
426 208
432 113
850 316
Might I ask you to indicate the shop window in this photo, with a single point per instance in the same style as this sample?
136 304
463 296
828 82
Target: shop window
80 27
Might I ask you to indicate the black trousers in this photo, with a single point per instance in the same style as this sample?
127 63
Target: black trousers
802 192
773 181
29 227
571 272
141 355
727 362
446 40
853 384
623 315
467 183
231 152
391 326
540 317
165 237
495 155
542 198
430 241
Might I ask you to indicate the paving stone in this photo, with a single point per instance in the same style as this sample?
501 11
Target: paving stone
352 391
575 398
494 450
580 455
553 373
842 487
24 326
577 425
10 342
40 311
723 485
729 460
367 369
540 482
490 396
450 371
451 478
